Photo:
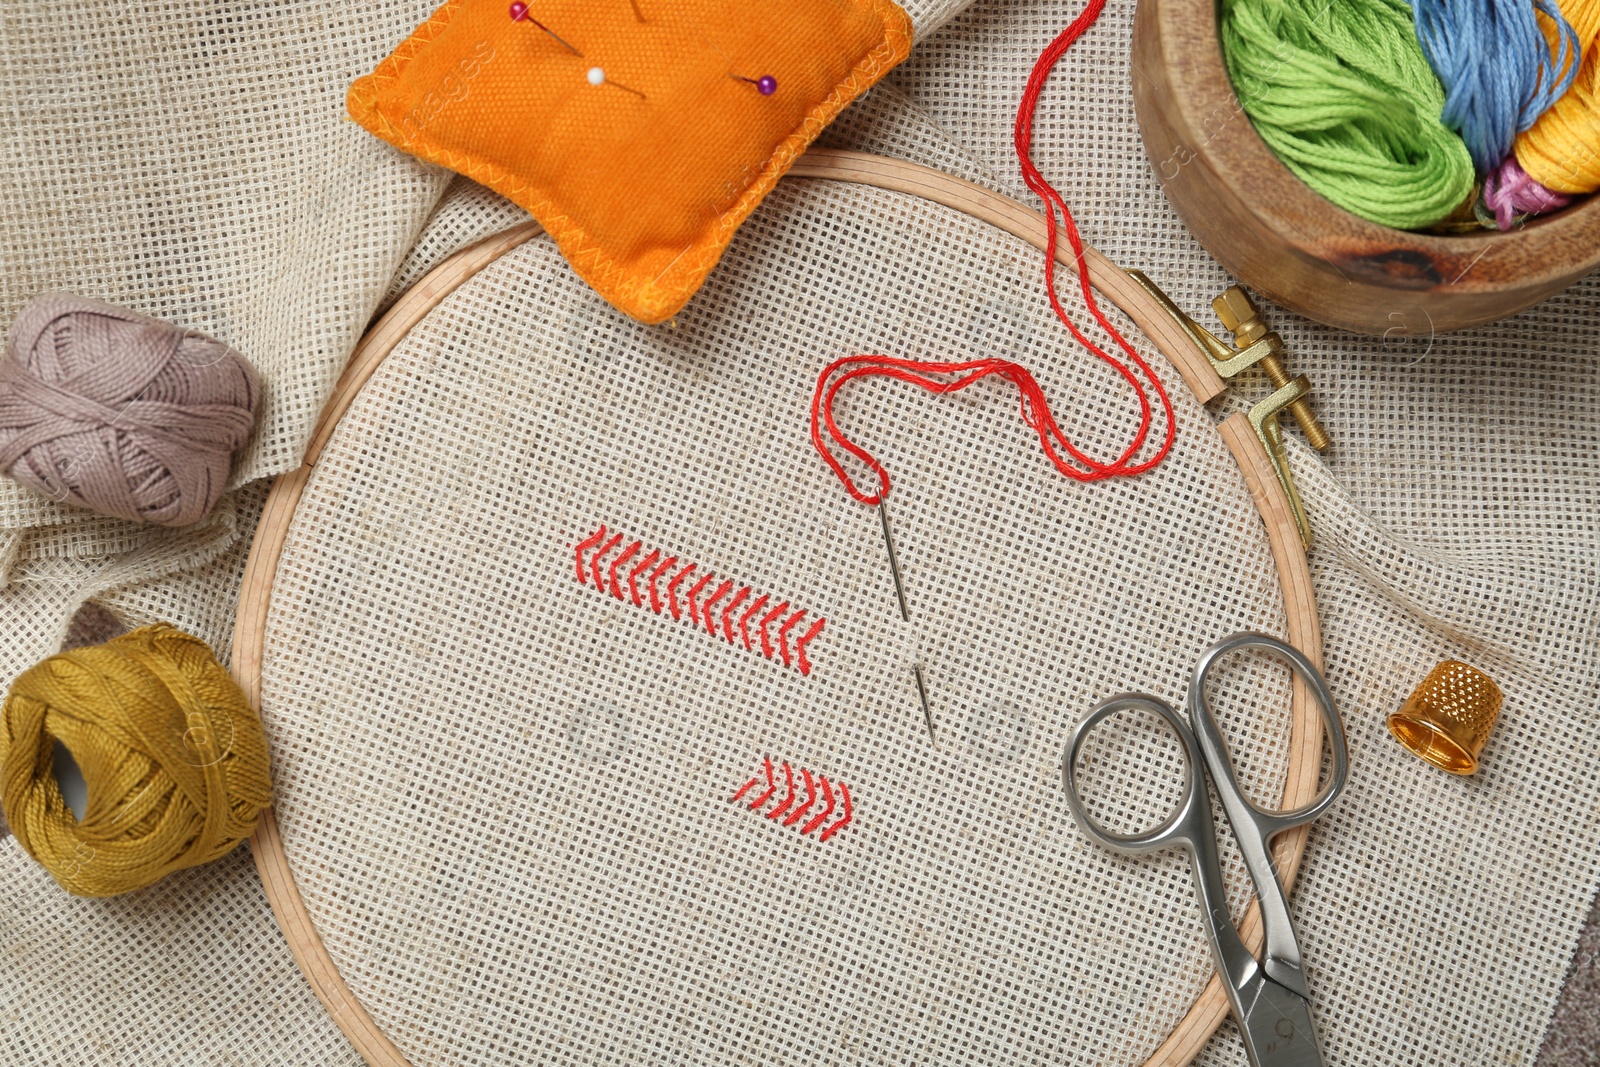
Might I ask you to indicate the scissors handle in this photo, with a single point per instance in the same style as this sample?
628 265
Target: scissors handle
1219 762
1188 825
1269 998
1189 819
1254 827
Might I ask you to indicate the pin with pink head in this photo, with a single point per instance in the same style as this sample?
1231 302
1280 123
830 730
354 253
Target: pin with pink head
519 13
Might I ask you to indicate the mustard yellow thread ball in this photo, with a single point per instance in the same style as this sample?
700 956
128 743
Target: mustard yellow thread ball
170 749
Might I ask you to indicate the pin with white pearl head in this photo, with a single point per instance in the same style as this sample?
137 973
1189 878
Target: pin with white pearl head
597 77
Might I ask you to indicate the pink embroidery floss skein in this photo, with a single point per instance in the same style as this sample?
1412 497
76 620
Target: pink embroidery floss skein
1512 195
122 414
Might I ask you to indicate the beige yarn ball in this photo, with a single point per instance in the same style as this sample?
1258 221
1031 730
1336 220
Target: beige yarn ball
119 413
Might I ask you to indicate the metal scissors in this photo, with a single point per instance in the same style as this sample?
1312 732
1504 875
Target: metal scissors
1270 999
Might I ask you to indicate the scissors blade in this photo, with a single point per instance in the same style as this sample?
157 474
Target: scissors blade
1276 1025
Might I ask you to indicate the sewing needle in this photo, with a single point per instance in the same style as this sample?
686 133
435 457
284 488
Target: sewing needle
927 711
905 612
894 562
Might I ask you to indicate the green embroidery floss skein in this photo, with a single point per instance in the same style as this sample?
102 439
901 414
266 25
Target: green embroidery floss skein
1343 94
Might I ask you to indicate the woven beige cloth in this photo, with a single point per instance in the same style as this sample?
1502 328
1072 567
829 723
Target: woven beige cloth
1456 519
224 991
541 771
195 165
1400 903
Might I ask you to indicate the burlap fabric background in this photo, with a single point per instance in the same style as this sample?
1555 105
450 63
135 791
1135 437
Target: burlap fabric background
1456 519
943 923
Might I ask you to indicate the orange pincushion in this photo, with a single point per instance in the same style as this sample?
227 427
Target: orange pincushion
633 130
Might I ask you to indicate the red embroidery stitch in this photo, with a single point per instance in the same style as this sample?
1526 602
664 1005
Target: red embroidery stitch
633 576
811 798
800 645
766 641
727 612
844 791
819 820
701 584
822 816
788 777
783 635
710 619
743 789
672 590
771 786
655 576
587 543
599 580
744 621
632 550
726 601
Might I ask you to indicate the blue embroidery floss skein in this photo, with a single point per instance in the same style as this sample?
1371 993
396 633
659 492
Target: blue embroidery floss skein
1499 72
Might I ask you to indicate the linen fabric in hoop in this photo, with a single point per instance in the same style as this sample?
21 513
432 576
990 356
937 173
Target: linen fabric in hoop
507 785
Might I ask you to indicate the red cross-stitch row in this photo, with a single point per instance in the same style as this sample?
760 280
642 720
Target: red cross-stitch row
834 794
728 610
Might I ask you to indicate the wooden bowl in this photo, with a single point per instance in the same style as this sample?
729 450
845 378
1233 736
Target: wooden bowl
1277 236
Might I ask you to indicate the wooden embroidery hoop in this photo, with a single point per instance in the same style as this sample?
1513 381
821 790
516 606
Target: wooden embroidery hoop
250 630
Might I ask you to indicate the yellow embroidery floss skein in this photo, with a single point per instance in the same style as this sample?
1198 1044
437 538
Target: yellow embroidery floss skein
1562 150
171 751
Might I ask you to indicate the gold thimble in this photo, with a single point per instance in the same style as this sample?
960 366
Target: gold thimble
1447 718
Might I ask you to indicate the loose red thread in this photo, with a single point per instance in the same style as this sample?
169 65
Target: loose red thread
1074 464
1035 413
791 794
608 574
1023 135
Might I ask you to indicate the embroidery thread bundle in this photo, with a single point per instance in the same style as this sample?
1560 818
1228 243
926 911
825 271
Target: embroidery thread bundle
1345 97
122 414
1498 70
1510 192
170 748
1560 153
1396 113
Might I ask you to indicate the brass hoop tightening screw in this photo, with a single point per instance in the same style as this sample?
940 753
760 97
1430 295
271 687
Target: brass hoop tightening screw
1241 316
